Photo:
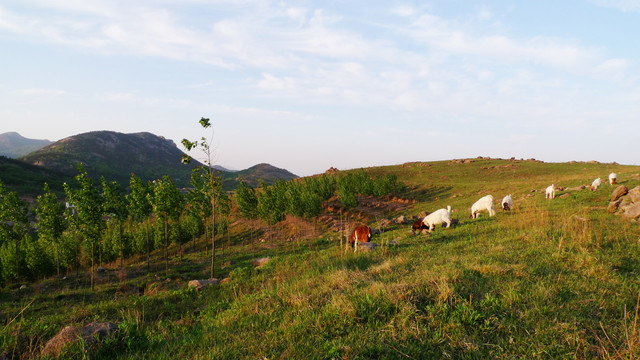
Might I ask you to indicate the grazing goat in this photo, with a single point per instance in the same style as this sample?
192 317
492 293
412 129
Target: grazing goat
613 178
550 192
507 203
485 203
418 226
437 217
596 184
361 234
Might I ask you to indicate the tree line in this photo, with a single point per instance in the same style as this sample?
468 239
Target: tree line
97 222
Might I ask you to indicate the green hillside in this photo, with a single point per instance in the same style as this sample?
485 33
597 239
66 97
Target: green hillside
551 279
115 156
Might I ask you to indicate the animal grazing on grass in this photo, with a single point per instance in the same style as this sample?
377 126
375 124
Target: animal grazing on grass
507 203
418 226
613 178
437 217
361 233
550 192
596 184
485 203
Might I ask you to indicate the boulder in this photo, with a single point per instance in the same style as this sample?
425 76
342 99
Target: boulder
384 223
634 194
260 262
613 206
201 284
632 212
367 246
619 192
70 334
565 195
401 219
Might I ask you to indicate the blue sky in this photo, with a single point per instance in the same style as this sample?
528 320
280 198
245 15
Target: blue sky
306 85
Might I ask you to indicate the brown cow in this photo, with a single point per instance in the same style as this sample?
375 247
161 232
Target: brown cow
361 233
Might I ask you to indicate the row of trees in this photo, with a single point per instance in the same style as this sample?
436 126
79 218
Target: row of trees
98 223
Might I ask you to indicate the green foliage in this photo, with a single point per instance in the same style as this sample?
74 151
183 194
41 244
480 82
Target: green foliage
247 201
272 203
87 203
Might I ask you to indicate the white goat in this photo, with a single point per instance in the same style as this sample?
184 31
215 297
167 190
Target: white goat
437 217
613 178
485 203
596 184
550 192
507 203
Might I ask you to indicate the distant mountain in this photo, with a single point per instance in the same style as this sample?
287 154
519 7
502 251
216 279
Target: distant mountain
115 156
252 176
14 145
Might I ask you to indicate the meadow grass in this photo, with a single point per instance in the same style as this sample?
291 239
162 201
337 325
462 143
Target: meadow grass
550 279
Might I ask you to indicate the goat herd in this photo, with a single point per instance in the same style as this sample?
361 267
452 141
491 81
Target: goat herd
363 233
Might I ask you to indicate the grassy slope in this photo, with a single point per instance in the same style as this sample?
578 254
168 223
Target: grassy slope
538 282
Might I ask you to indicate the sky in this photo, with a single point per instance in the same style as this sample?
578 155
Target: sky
309 85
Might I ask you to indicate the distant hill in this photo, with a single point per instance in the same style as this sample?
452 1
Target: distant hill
252 176
28 180
116 155
14 145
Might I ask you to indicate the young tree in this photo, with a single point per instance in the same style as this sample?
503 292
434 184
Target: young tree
51 221
198 197
14 223
113 205
87 203
167 204
205 146
247 203
140 206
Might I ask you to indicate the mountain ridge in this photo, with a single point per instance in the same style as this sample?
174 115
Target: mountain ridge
116 155
14 145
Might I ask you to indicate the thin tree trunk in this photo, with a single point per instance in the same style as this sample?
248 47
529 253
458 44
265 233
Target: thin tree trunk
58 258
92 263
121 251
18 261
166 248
148 249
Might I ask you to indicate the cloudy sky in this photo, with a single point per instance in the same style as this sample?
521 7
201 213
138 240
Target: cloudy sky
306 85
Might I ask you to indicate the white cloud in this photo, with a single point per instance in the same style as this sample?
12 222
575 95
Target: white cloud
624 5
40 91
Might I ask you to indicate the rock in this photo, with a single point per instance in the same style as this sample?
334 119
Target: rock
384 223
613 206
565 195
577 188
634 194
260 262
367 246
619 192
632 211
423 214
70 334
401 219
201 284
